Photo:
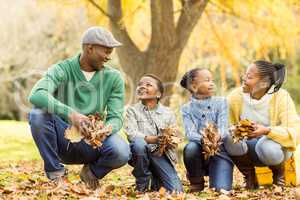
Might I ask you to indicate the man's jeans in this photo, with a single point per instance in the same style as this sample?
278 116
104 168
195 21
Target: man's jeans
149 167
48 133
218 168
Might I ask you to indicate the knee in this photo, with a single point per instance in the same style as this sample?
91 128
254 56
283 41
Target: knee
37 118
270 153
191 150
235 149
120 154
138 146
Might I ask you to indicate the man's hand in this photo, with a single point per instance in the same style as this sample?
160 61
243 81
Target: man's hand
78 119
151 139
259 131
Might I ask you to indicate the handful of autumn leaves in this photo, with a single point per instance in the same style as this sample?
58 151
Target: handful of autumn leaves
94 132
168 139
241 130
211 140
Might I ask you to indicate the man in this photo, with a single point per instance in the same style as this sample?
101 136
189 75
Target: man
65 95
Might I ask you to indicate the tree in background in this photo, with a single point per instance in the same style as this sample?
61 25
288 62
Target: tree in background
226 37
168 38
165 37
32 38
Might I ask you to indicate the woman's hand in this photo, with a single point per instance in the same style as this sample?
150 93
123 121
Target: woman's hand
259 131
151 139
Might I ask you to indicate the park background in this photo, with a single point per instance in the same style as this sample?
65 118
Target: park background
164 37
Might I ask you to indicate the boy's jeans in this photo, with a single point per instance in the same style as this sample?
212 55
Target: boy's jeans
148 166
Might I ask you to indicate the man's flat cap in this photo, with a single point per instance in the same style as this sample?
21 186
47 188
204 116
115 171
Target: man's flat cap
99 35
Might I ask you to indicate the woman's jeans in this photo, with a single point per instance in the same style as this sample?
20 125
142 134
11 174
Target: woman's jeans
152 170
263 151
48 133
219 168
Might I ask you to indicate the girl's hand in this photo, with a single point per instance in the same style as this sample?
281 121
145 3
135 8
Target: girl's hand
259 131
151 139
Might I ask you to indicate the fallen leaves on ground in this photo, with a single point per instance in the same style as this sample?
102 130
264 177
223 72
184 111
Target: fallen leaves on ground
26 180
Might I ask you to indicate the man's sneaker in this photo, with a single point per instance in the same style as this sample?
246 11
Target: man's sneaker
87 176
60 183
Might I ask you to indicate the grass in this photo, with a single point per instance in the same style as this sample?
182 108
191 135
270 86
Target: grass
16 142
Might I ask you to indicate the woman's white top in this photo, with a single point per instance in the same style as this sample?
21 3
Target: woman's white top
257 110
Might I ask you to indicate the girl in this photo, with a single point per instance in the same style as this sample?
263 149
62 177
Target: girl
204 108
142 124
277 124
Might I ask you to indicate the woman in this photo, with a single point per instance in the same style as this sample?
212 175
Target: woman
277 125
204 108
143 123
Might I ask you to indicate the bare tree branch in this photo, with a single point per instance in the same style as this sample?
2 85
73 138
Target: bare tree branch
129 52
99 8
162 23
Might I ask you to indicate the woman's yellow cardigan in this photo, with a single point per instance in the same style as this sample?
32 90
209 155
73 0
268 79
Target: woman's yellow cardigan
285 122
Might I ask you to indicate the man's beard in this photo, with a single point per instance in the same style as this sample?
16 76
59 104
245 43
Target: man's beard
96 66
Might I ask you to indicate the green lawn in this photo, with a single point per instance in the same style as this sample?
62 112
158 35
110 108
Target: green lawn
16 142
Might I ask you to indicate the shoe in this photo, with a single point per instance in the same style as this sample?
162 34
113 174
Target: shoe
87 176
246 167
278 174
59 183
196 184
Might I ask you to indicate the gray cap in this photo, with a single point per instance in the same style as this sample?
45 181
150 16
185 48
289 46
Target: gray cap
101 36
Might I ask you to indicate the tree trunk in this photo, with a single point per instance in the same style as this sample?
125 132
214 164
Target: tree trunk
166 45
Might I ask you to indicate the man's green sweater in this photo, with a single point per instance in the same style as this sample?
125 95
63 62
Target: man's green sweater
64 89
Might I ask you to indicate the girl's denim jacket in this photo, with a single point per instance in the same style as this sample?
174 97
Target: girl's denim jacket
197 113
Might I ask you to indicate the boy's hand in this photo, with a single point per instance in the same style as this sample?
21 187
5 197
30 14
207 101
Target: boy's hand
151 139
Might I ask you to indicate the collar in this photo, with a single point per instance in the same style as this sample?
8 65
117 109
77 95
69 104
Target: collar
200 101
76 61
159 108
263 101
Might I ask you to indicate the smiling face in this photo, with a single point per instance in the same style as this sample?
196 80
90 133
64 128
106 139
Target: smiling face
147 88
203 83
98 55
253 82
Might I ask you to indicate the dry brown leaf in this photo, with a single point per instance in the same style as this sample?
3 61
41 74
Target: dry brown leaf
297 193
94 132
72 134
241 130
144 197
8 190
168 139
162 192
277 190
211 140
80 189
223 197
108 189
